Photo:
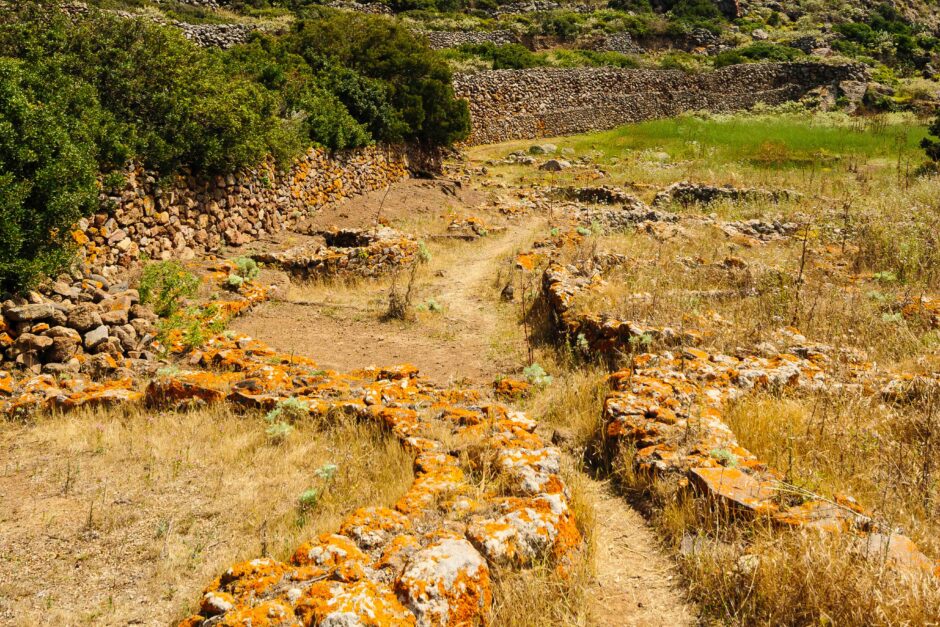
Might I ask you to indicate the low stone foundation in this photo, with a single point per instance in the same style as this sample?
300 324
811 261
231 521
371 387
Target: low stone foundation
191 216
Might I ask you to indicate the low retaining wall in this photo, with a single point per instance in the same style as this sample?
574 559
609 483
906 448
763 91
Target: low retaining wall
441 39
547 102
191 215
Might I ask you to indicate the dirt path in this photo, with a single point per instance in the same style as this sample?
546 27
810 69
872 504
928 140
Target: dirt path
473 338
341 327
635 584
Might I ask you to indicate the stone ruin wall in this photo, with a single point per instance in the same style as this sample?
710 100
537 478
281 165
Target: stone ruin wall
547 102
193 215
441 39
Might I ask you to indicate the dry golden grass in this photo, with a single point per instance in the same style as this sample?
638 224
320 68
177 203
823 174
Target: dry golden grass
871 243
742 572
666 283
888 457
114 516
804 579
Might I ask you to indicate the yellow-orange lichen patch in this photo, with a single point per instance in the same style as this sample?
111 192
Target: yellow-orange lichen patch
363 603
736 489
374 526
511 388
250 580
6 384
267 614
527 530
335 553
189 386
447 583
396 554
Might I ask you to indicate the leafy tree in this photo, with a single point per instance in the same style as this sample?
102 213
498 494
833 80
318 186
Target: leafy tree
406 74
173 102
82 97
48 126
932 144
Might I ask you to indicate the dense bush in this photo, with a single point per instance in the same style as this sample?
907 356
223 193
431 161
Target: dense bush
758 51
83 96
888 36
172 103
413 80
636 6
932 144
48 130
515 57
506 57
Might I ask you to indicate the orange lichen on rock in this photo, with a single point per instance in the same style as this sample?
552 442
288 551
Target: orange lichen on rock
407 565
364 603
6 384
668 407
374 526
510 388
447 583
188 387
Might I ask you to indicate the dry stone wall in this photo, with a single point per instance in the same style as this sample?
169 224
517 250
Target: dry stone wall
440 39
546 102
191 215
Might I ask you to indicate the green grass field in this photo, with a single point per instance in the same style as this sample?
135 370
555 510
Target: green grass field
816 153
779 141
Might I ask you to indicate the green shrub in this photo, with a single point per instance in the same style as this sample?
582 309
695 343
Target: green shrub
635 6
758 51
172 103
932 144
83 96
679 60
564 26
888 36
247 268
165 284
536 375
405 86
48 126
506 57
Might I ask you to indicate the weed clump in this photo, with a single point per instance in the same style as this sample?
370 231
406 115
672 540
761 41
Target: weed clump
164 285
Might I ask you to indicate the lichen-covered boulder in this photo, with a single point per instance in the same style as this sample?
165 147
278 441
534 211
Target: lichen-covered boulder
357 604
447 583
371 527
525 531
334 553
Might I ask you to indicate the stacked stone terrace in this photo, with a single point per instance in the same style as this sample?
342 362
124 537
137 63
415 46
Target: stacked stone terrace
547 102
194 216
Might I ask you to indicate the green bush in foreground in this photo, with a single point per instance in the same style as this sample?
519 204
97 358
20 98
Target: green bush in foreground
48 126
165 284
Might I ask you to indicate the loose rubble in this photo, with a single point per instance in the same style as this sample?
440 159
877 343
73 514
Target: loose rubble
78 323
685 194
346 253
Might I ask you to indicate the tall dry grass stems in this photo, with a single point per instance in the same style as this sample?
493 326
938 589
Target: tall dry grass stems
176 498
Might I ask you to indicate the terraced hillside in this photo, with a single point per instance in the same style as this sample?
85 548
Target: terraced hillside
760 340
280 345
